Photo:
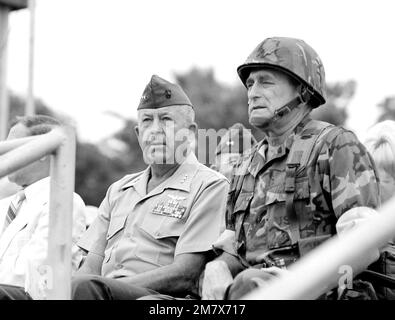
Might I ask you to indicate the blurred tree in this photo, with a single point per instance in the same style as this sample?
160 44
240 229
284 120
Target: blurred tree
131 156
387 107
98 166
95 172
217 106
17 106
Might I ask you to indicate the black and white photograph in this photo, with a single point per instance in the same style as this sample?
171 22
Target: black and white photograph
179 152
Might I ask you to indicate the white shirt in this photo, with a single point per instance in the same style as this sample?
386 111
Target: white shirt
24 241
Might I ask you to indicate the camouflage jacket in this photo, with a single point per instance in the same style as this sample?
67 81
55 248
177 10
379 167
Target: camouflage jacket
339 175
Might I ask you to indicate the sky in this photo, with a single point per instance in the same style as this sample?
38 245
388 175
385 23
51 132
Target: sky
93 56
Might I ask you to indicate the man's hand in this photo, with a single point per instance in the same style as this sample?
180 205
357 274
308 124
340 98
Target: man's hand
217 278
353 218
276 271
268 275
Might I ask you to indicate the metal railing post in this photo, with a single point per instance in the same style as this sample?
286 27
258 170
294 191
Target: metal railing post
61 145
60 218
30 103
6 6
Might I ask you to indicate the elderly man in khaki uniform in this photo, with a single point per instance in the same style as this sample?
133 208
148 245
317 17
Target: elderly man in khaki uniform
155 228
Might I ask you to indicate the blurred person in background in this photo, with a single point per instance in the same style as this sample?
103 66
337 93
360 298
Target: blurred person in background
154 229
233 144
230 149
24 218
380 142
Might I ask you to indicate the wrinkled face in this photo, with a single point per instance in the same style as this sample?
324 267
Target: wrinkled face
267 91
224 163
22 176
387 185
162 134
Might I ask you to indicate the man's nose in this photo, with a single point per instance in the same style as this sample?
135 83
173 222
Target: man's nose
253 93
156 125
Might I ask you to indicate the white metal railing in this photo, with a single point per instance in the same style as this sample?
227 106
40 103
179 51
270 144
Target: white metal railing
60 144
321 269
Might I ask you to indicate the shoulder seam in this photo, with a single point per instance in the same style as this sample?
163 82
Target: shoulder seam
211 172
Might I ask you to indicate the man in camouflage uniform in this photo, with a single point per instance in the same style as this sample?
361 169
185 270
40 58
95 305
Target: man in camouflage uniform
303 183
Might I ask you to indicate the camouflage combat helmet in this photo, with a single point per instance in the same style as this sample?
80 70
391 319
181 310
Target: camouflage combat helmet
294 57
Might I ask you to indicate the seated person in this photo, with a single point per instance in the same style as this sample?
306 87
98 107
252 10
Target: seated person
229 150
232 145
300 185
24 218
380 142
154 230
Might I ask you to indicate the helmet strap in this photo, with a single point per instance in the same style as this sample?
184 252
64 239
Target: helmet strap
305 93
287 108
304 96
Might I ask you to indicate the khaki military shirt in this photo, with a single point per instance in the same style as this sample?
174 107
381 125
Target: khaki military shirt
340 175
137 231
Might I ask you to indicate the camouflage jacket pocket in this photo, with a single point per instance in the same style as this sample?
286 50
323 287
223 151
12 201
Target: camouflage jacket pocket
301 196
361 290
241 205
242 202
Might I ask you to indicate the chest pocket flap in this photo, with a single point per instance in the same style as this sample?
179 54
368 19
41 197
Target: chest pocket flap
277 193
162 226
242 202
117 223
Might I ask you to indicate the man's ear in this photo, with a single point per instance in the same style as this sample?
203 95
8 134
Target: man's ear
136 130
193 127
214 167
